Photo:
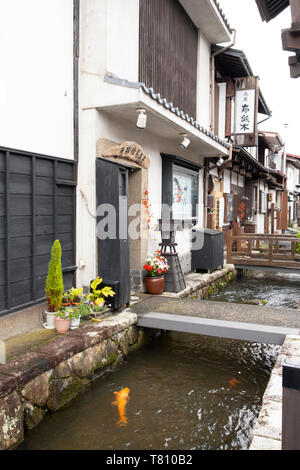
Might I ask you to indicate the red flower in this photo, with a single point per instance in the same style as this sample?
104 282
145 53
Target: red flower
159 271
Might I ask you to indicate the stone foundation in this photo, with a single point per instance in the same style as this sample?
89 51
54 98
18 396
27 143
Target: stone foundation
202 286
267 432
48 377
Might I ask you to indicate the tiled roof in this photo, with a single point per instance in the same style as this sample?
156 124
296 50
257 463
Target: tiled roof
223 15
111 78
182 115
293 156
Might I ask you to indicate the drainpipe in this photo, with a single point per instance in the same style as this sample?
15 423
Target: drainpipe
205 191
213 81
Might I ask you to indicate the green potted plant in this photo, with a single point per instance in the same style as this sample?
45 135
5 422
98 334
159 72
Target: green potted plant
54 285
98 297
75 296
81 311
156 266
63 320
65 300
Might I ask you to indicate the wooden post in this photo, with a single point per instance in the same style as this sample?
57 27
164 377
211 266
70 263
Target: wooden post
270 250
229 245
249 246
273 218
291 405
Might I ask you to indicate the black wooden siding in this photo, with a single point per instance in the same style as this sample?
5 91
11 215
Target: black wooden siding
168 52
37 206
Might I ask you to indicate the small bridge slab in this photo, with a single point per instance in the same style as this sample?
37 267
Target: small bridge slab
221 319
223 329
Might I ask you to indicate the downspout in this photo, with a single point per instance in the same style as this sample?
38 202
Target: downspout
205 191
213 80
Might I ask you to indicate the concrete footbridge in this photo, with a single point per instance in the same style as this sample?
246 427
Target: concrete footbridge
227 320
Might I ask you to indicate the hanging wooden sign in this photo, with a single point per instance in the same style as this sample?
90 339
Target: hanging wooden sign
246 109
129 151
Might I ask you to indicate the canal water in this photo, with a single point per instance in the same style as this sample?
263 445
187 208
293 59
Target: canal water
274 289
186 391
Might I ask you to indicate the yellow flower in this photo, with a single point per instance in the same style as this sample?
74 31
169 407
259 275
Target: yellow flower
99 302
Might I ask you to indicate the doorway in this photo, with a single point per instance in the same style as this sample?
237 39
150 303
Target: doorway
112 226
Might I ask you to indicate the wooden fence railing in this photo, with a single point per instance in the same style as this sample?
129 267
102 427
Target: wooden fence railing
263 250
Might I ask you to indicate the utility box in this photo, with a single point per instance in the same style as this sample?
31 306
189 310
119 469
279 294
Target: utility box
210 254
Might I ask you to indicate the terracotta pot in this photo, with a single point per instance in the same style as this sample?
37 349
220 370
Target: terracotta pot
62 326
155 285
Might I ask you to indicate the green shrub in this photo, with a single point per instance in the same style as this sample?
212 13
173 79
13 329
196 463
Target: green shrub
298 243
54 284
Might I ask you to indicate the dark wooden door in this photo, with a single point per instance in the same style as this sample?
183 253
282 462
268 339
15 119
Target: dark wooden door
113 249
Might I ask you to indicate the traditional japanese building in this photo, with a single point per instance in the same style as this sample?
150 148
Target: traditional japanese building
145 78
293 187
247 191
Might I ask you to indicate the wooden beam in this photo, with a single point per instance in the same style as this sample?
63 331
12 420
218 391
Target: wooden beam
290 40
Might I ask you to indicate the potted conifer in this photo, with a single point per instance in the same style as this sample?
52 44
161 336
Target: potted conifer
54 285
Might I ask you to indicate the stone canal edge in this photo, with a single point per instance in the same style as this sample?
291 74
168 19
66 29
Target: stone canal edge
51 375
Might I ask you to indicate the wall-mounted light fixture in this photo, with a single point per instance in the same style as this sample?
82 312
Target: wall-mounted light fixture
142 119
185 142
220 162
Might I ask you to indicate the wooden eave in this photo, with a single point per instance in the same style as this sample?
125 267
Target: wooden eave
269 9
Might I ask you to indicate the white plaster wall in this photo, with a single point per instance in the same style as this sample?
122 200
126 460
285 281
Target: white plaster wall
86 248
293 178
123 38
36 80
259 219
227 188
109 43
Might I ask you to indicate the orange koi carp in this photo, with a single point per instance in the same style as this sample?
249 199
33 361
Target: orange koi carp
233 383
122 398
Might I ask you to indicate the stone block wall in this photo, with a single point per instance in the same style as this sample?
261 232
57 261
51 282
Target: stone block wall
50 376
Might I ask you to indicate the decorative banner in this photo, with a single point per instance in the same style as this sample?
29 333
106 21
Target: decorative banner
129 151
246 110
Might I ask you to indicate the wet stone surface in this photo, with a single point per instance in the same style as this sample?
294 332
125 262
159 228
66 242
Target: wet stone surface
51 375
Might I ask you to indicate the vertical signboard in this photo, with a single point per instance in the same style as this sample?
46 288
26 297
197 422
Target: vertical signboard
246 108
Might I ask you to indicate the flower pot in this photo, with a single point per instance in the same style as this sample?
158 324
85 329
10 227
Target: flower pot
62 326
75 304
66 304
50 320
75 323
155 285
